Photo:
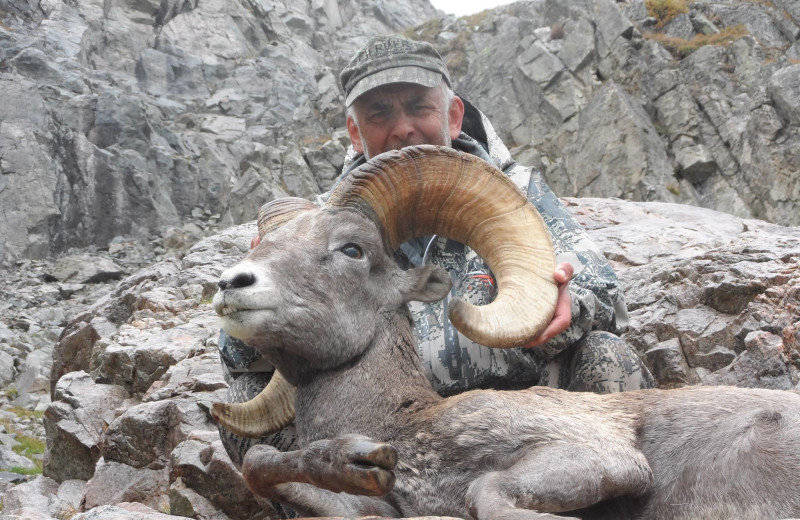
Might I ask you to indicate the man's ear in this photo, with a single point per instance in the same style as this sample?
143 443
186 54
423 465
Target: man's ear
355 136
456 116
428 283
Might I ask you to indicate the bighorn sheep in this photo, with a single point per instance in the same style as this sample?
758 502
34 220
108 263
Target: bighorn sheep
322 299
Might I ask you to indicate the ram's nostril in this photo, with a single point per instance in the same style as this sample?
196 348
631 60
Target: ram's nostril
223 284
243 280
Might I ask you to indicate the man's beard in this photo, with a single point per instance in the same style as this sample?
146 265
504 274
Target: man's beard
444 139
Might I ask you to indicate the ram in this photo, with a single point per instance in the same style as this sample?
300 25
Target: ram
323 300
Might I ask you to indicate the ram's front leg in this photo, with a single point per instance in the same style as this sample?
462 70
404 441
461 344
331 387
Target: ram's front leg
351 464
558 478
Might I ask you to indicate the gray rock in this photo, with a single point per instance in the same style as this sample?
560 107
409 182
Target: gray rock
125 511
186 502
759 19
7 479
695 163
75 423
9 459
634 165
203 466
668 364
784 88
682 26
114 482
709 280
765 363
7 372
145 435
702 25
38 497
74 350
85 269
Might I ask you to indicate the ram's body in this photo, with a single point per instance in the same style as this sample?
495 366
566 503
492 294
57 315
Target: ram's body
321 298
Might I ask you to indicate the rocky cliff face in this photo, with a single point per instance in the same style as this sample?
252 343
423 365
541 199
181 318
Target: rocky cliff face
123 118
694 102
120 118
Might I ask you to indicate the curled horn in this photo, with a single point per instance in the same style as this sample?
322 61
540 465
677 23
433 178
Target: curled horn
266 413
273 408
425 190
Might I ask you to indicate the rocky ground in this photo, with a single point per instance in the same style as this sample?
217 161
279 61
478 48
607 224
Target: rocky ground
712 298
38 298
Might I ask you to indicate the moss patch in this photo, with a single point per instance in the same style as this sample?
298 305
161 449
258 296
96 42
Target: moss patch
681 48
665 10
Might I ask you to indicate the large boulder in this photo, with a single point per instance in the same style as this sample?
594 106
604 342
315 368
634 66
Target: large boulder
713 298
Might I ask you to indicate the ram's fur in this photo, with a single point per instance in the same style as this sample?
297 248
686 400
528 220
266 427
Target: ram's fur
322 299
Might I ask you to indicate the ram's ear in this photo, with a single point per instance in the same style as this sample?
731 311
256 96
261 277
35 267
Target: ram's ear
428 283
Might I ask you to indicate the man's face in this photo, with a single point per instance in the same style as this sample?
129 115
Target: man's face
403 114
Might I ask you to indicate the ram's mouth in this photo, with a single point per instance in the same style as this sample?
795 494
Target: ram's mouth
227 310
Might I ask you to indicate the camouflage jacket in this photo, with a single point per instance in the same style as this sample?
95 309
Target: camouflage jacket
453 362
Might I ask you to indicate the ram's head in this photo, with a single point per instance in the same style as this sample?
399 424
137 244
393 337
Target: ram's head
399 195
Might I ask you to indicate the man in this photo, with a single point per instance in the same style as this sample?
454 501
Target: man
398 94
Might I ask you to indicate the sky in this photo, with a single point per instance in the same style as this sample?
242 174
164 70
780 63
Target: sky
465 7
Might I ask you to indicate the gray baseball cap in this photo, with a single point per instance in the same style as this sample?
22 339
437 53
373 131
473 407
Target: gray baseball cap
392 59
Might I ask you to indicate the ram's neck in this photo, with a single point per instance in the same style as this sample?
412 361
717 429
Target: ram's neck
364 396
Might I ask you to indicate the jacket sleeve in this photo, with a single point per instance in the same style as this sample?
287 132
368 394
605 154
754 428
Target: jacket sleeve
597 300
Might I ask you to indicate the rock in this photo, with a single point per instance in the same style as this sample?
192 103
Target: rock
187 503
201 464
74 350
35 373
8 478
765 363
7 372
703 25
695 163
85 269
125 511
134 141
9 459
710 285
784 88
38 496
145 435
613 122
75 422
114 482
115 95
712 299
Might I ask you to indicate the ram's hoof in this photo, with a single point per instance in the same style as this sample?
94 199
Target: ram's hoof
353 464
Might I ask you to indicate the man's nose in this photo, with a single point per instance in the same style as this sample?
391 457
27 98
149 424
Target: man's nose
403 126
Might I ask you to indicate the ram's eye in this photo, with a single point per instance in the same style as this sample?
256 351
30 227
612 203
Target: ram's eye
352 250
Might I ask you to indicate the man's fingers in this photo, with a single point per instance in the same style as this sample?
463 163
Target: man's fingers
563 313
563 273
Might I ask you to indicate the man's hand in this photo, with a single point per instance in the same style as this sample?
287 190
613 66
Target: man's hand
563 315
255 241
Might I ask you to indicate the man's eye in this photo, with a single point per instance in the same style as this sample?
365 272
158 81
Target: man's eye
378 115
352 250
